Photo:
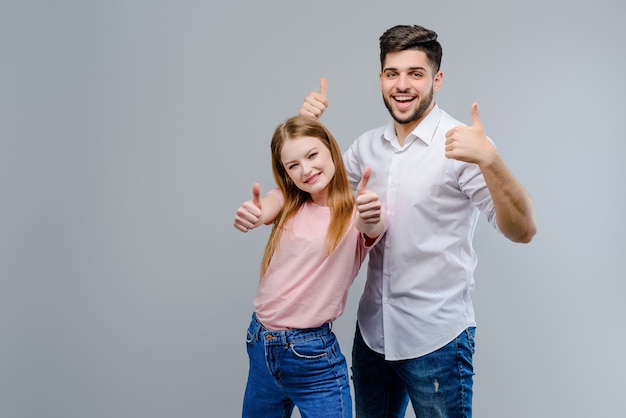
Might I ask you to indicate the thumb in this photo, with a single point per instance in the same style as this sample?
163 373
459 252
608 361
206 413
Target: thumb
323 86
362 187
475 115
256 195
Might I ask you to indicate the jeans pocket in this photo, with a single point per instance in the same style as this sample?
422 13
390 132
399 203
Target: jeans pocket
311 350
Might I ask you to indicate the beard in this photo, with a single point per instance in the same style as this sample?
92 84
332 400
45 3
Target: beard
419 113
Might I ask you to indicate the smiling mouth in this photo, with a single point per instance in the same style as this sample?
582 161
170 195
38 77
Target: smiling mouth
403 100
312 178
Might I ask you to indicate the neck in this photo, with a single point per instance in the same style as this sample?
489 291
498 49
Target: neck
404 129
320 198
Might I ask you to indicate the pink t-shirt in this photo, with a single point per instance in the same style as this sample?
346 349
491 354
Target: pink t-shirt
304 286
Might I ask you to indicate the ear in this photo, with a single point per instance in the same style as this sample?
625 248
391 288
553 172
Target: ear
437 81
380 80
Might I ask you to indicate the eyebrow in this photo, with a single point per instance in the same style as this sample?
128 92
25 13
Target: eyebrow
408 69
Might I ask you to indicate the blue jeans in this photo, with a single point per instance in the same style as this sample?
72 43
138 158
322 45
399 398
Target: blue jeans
438 384
303 368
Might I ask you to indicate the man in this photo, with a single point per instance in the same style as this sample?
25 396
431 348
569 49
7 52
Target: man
415 329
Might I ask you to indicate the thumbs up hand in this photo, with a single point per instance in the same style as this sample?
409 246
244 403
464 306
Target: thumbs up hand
315 103
249 213
369 207
469 143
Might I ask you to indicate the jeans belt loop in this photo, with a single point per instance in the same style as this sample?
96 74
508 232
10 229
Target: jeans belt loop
257 331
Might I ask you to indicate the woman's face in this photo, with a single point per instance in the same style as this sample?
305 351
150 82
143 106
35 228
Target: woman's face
310 166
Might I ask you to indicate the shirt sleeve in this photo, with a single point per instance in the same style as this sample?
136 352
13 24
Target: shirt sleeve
473 185
276 192
353 168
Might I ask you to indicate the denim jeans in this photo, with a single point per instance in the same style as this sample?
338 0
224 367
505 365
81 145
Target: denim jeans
438 384
303 368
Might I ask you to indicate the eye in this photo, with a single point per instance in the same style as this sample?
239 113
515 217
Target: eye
313 155
391 74
417 75
292 166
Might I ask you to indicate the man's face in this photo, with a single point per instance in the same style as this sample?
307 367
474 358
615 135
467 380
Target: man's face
408 84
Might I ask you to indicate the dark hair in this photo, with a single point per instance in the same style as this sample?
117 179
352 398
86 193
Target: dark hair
406 37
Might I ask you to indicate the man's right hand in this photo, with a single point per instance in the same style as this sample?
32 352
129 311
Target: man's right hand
316 102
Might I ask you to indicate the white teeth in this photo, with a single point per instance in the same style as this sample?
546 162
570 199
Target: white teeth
403 98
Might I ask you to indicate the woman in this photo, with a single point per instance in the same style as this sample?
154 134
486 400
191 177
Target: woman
321 234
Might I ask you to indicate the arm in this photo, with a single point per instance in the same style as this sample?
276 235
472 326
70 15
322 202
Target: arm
515 212
370 220
257 211
250 215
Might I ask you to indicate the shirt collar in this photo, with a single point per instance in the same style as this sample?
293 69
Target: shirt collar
425 131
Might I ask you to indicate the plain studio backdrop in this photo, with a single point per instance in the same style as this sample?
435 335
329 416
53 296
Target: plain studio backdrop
132 130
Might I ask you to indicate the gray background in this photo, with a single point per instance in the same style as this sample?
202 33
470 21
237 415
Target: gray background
132 130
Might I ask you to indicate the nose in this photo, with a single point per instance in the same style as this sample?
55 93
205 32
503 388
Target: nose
306 169
403 82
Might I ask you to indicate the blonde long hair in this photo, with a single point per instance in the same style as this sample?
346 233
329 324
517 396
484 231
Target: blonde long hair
340 196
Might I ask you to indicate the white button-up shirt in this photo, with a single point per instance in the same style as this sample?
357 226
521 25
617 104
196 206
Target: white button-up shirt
417 294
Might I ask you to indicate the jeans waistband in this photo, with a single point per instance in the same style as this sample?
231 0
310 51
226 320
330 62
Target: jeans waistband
287 336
